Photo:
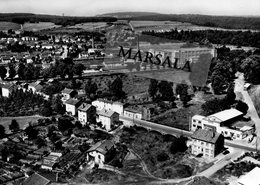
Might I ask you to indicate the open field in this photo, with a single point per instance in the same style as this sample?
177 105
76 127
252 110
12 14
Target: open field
39 26
168 25
27 26
23 121
9 25
90 26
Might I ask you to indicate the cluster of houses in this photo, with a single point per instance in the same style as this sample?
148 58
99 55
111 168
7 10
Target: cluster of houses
35 87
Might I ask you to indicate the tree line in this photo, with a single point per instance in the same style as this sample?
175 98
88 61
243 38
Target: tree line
229 22
238 38
21 18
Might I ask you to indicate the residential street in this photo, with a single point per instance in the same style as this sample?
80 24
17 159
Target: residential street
239 88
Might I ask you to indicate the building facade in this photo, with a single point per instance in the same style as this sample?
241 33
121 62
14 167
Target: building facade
107 118
207 142
87 113
101 104
72 106
222 122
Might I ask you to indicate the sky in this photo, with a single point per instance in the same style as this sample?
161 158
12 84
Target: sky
95 7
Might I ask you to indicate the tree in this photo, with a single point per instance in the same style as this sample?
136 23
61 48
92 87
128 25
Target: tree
162 156
58 106
231 96
182 90
12 71
218 83
40 142
2 131
166 91
3 72
178 145
21 70
116 88
31 132
78 69
46 110
153 88
88 87
64 123
242 106
251 69
214 105
14 126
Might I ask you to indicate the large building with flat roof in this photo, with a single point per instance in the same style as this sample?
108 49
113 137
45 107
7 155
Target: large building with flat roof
223 123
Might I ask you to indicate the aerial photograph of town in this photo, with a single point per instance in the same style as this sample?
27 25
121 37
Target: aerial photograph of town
135 92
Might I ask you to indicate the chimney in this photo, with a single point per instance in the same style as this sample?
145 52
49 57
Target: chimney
57 177
213 134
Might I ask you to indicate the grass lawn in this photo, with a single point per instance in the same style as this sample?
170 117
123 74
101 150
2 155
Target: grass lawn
23 121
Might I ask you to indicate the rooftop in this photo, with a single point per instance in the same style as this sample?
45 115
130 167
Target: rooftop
106 113
36 179
67 91
206 135
72 101
102 147
84 107
226 114
251 178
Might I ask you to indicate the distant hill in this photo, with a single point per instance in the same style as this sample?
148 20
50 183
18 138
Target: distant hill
20 18
229 22
122 15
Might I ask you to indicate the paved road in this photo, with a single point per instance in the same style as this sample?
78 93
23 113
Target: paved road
178 132
154 126
239 87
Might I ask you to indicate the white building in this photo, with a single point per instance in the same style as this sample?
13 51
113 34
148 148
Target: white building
251 178
35 87
184 54
67 94
101 104
222 122
133 114
207 142
7 89
72 106
107 118
87 113
101 151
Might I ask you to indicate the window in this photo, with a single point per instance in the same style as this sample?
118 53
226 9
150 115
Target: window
238 135
202 143
207 150
194 120
194 125
225 132
199 121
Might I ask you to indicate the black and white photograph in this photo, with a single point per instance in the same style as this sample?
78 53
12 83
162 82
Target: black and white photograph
129 92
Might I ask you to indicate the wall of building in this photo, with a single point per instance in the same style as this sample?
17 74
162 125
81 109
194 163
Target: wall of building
71 109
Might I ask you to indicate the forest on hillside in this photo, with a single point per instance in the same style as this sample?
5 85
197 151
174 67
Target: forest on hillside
21 18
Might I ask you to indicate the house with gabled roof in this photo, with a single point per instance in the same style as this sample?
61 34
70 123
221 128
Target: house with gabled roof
72 105
102 151
207 142
108 118
7 89
35 87
87 113
68 93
